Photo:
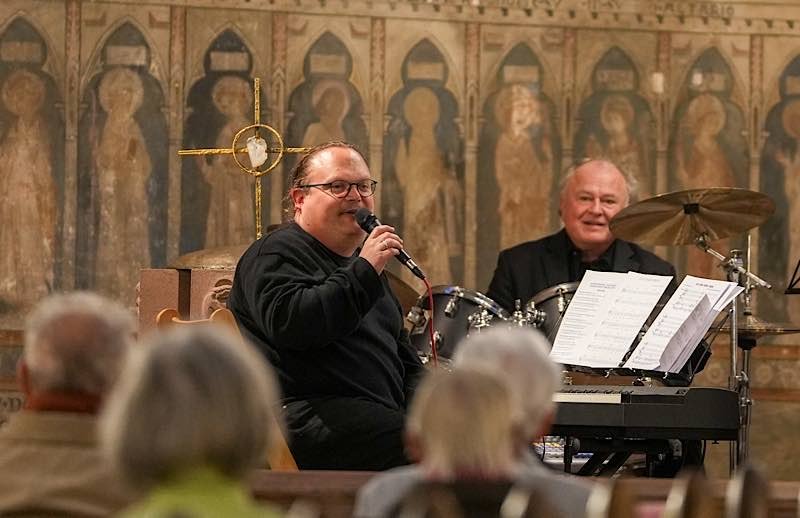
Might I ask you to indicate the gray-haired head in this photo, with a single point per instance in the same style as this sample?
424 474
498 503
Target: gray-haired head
463 423
521 357
590 164
76 342
191 397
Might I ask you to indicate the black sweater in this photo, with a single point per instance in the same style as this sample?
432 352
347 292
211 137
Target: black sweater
329 324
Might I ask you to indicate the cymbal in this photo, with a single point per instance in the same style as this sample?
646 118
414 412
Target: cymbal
678 218
751 325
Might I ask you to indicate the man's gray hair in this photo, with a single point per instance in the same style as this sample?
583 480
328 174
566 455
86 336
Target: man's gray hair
631 183
520 356
76 342
197 396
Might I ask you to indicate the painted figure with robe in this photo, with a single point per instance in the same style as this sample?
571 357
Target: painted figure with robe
122 172
523 169
620 144
431 192
789 158
331 103
28 212
231 219
702 163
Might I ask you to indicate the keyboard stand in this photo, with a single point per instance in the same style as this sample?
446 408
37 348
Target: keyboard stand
609 455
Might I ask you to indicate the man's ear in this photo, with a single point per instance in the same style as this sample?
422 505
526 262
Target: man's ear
23 377
298 196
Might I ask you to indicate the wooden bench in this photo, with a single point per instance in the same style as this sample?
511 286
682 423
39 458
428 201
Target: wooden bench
334 492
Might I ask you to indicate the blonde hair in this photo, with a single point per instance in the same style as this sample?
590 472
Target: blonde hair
76 342
463 422
519 356
191 397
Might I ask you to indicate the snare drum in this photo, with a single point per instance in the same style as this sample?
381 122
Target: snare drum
456 312
553 301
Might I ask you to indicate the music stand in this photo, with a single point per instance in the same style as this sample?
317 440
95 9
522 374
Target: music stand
793 288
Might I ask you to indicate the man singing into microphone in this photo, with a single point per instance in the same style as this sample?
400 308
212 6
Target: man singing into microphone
312 296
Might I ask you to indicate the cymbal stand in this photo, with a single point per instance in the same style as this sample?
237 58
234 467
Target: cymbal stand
739 380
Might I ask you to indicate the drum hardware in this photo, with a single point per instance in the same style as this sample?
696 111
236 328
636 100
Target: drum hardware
529 317
562 301
456 313
480 319
416 316
451 307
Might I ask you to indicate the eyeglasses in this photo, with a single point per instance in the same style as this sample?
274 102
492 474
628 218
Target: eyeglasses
340 188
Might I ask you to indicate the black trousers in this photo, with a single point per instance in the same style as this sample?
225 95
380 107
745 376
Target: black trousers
345 434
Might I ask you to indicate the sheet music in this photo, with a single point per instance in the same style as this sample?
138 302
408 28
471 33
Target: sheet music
628 309
584 312
677 330
611 309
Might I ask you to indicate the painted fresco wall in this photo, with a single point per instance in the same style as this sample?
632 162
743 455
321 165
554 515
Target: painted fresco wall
468 113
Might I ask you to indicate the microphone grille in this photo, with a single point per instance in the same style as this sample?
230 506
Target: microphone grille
363 216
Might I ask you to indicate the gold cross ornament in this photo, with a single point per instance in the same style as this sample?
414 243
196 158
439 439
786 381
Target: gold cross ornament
260 154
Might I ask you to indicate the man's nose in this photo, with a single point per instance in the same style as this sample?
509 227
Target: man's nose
352 192
596 206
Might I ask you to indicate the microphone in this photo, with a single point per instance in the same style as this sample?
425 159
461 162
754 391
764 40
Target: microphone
368 221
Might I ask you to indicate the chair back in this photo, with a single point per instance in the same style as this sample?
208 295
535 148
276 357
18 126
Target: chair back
611 499
690 496
279 457
474 499
747 494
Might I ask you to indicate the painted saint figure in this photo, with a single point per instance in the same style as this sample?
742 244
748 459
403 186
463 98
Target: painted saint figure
622 146
331 104
703 164
790 160
122 172
28 212
523 170
431 192
231 219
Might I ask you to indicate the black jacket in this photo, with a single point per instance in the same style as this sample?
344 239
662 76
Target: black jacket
526 269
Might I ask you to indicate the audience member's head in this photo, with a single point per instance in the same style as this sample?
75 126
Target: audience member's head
75 343
520 356
192 397
461 425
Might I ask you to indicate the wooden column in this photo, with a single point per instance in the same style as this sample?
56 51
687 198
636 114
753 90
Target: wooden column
278 99
377 94
175 97
72 42
471 131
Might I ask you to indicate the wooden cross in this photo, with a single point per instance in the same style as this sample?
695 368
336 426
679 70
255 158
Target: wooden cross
275 154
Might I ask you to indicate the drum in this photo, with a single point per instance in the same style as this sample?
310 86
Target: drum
553 302
456 312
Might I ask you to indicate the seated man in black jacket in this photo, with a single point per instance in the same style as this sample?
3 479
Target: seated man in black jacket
312 296
591 194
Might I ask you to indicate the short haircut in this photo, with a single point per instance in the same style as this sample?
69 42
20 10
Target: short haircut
76 342
302 168
464 423
631 183
521 357
191 397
